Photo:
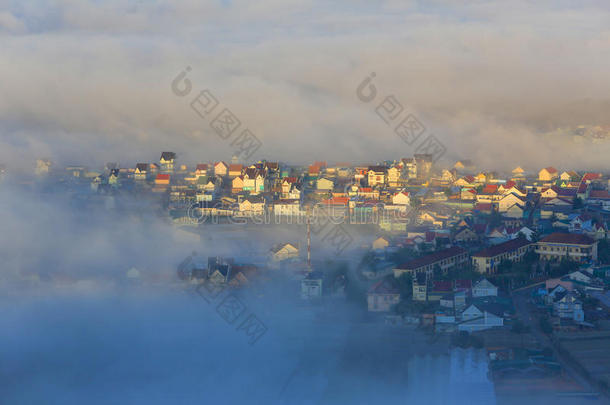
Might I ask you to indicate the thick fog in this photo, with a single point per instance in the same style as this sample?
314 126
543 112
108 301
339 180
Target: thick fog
77 329
90 81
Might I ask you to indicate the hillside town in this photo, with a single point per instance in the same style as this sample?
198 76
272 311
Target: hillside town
515 262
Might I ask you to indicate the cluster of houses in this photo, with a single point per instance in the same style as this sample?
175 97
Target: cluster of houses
450 218
404 196
563 299
429 274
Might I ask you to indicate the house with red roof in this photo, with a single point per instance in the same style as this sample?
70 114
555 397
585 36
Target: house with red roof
401 198
336 201
468 194
287 184
220 168
162 179
466 181
557 246
201 170
383 295
446 260
485 208
313 171
548 174
235 170
487 260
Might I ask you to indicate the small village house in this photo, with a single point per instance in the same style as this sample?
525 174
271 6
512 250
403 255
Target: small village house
383 295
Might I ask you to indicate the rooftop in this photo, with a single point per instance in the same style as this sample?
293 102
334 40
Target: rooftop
568 238
432 258
508 246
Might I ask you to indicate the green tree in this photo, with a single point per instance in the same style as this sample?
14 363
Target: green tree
505 266
405 285
603 251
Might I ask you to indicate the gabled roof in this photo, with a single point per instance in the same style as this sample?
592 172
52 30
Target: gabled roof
142 167
252 173
168 156
463 284
484 283
469 179
432 258
498 249
235 167
599 194
281 246
377 169
550 169
336 201
439 285
509 184
568 238
384 286
490 189
483 206
202 166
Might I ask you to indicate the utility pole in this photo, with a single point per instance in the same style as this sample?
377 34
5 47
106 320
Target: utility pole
308 243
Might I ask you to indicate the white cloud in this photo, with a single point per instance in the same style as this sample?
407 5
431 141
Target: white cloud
91 80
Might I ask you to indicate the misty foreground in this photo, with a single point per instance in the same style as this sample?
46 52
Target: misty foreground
134 345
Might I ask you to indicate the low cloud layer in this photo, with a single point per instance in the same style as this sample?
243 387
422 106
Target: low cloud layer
89 82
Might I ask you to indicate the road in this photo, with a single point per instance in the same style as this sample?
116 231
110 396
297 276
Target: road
526 312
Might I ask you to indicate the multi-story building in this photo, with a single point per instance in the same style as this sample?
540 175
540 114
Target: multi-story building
376 175
167 161
446 260
572 246
487 260
420 287
424 165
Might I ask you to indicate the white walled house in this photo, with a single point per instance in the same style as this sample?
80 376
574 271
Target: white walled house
508 201
383 296
475 319
484 288
325 184
376 175
252 206
401 198
287 207
284 251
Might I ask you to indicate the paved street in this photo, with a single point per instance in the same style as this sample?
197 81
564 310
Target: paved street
527 313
